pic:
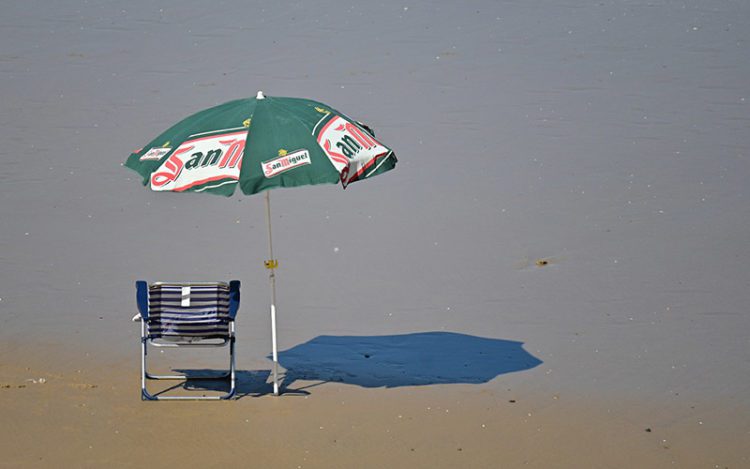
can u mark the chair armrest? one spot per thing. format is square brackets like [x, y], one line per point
[234, 298]
[141, 296]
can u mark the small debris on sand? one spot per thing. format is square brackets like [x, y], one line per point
[84, 386]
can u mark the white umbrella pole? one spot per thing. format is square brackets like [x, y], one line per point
[271, 264]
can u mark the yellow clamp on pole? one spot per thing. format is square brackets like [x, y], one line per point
[271, 264]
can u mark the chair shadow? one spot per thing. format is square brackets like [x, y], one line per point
[392, 361]
[389, 361]
[248, 383]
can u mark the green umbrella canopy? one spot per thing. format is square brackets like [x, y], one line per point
[261, 143]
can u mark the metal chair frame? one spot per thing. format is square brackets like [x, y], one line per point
[143, 289]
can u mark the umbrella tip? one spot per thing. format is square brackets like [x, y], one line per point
[260, 95]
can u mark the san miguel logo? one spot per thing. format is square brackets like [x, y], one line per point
[155, 153]
[202, 162]
[285, 162]
[351, 150]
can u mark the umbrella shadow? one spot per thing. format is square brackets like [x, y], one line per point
[392, 361]
[389, 361]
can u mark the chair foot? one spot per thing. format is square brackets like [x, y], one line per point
[146, 396]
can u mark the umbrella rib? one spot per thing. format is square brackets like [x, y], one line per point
[215, 131]
[234, 181]
[321, 120]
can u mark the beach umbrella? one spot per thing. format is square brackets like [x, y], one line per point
[259, 144]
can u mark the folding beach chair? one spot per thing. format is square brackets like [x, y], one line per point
[187, 315]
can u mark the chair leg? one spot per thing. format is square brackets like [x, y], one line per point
[146, 396]
[232, 388]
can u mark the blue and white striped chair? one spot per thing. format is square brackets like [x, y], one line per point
[187, 315]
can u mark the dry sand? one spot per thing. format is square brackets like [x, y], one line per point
[91, 418]
[568, 223]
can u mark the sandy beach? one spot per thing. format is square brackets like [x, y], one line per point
[85, 424]
[554, 275]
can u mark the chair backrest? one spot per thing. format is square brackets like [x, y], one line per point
[190, 311]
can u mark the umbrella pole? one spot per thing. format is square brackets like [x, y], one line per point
[271, 264]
